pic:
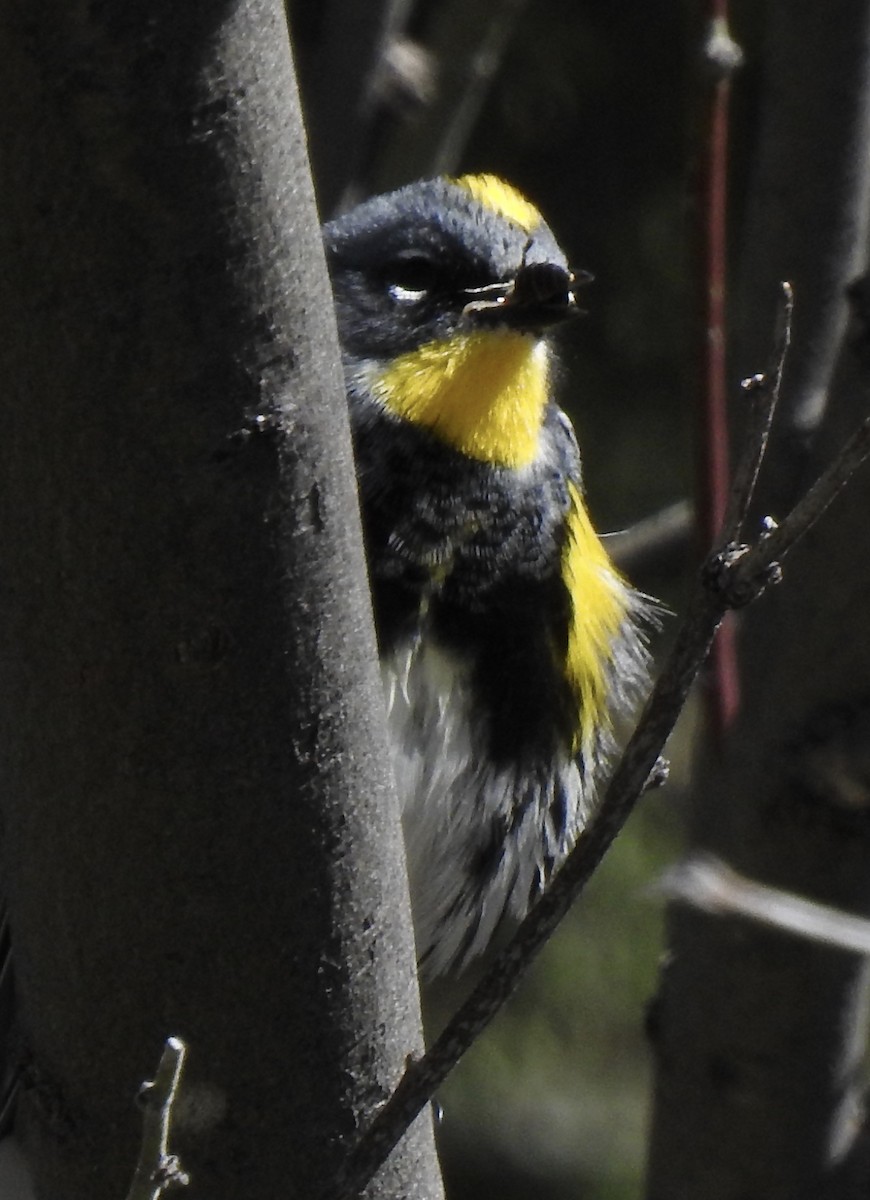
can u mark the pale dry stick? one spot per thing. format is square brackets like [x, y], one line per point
[706, 882]
[730, 578]
[157, 1169]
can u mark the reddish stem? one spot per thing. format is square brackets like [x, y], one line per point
[723, 695]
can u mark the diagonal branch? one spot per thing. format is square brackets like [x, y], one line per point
[776, 544]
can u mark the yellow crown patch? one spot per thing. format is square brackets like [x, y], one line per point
[500, 197]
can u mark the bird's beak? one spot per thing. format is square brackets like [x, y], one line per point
[539, 295]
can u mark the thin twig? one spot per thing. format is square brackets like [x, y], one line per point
[721, 57]
[763, 391]
[725, 582]
[157, 1169]
[706, 882]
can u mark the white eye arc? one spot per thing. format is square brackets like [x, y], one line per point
[406, 295]
[411, 277]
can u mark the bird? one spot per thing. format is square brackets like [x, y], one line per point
[509, 643]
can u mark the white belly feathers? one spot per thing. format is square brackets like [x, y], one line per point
[480, 839]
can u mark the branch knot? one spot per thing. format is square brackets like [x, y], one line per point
[737, 576]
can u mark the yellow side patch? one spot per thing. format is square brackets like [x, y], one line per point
[599, 604]
[483, 393]
[499, 196]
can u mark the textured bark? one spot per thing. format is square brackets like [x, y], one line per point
[200, 836]
[758, 1035]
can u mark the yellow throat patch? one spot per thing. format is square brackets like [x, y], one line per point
[599, 606]
[483, 393]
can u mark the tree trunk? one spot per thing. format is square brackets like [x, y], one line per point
[200, 836]
[758, 1034]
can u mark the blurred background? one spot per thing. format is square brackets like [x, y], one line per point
[592, 108]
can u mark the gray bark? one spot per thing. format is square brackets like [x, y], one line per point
[200, 835]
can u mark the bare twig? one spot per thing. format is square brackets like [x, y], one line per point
[731, 577]
[721, 56]
[157, 1169]
[763, 391]
[708, 883]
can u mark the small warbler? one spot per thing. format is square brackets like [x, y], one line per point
[508, 641]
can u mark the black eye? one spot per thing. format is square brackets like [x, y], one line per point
[411, 278]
